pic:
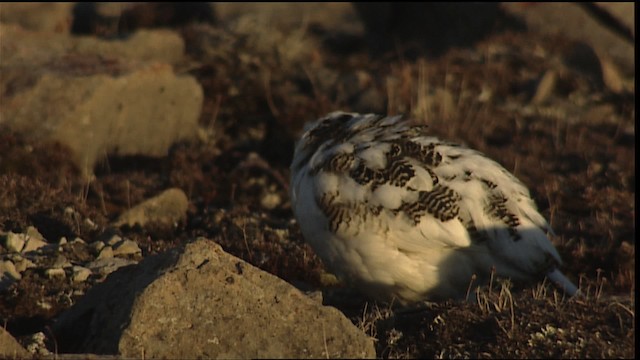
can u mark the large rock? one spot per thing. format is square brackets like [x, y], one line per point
[10, 348]
[94, 103]
[201, 303]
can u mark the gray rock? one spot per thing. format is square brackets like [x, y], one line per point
[167, 208]
[105, 266]
[201, 302]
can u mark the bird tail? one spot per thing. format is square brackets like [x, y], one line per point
[562, 282]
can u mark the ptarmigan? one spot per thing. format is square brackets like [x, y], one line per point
[401, 214]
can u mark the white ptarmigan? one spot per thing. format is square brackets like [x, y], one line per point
[401, 214]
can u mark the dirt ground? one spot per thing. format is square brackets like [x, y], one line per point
[575, 149]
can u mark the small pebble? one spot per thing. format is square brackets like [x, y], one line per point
[54, 272]
[90, 223]
[78, 241]
[270, 201]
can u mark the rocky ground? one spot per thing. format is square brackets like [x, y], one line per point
[126, 160]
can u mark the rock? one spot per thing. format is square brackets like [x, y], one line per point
[61, 262]
[105, 266]
[78, 240]
[14, 242]
[54, 273]
[33, 244]
[126, 247]
[91, 97]
[113, 239]
[49, 17]
[270, 200]
[167, 208]
[23, 264]
[106, 253]
[80, 274]
[10, 348]
[163, 46]
[26, 242]
[8, 274]
[202, 302]
[97, 246]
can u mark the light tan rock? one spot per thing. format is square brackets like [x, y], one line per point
[97, 97]
[166, 208]
[204, 303]
[10, 348]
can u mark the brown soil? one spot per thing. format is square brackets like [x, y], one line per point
[576, 152]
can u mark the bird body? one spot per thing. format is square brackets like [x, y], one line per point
[401, 214]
